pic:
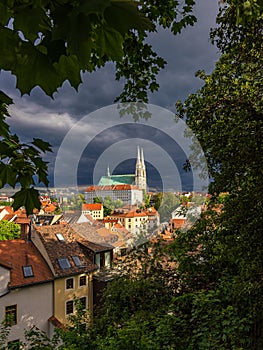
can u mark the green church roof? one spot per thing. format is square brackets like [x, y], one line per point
[128, 179]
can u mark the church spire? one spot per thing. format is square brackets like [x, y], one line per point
[138, 156]
[108, 171]
[140, 172]
[142, 159]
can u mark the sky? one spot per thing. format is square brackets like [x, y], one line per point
[82, 128]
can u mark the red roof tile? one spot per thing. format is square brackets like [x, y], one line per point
[112, 188]
[67, 248]
[92, 206]
[18, 253]
[8, 217]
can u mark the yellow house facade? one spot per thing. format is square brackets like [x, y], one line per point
[67, 290]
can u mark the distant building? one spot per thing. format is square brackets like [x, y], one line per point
[128, 194]
[138, 179]
[137, 221]
[95, 210]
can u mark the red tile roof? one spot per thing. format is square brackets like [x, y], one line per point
[92, 206]
[9, 217]
[9, 209]
[18, 253]
[111, 188]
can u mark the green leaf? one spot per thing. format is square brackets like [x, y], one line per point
[69, 68]
[42, 145]
[124, 15]
[31, 21]
[5, 99]
[9, 42]
[33, 69]
[28, 198]
[109, 42]
[7, 175]
[94, 6]
[5, 14]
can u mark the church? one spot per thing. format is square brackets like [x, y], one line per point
[137, 179]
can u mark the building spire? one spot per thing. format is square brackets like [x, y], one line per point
[138, 155]
[142, 159]
[108, 171]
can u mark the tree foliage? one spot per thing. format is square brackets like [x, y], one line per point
[9, 230]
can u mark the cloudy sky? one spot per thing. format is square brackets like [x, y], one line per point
[72, 116]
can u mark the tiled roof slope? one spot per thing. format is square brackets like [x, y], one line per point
[91, 206]
[57, 249]
[90, 233]
[18, 253]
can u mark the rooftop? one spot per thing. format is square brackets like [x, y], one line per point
[26, 264]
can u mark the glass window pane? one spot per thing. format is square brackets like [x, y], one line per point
[69, 307]
[69, 283]
[83, 302]
[28, 271]
[97, 259]
[107, 259]
[77, 261]
[64, 263]
[82, 280]
[60, 237]
[11, 315]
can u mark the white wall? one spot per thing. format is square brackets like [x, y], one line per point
[4, 280]
[34, 307]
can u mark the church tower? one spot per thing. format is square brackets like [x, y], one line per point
[140, 171]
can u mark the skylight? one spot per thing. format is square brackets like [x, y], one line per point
[60, 237]
[64, 263]
[28, 271]
[77, 261]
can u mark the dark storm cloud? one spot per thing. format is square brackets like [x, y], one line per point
[50, 119]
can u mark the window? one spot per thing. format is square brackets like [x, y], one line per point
[60, 237]
[97, 260]
[77, 261]
[64, 263]
[11, 314]
[69, 307]
[28, 271]
[107, 259]
[83, 302]
[82, 281]
[69, 283]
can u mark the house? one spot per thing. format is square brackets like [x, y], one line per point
[137, 221]
[71, 268]
[26, 288]
[185, 215]
[95, 210]
[128, 194]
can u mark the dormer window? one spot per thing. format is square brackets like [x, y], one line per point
[64, 263]
[60, 237]
[28, 271]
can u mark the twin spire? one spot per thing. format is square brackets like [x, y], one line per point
[140, 158]
[140, 170]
